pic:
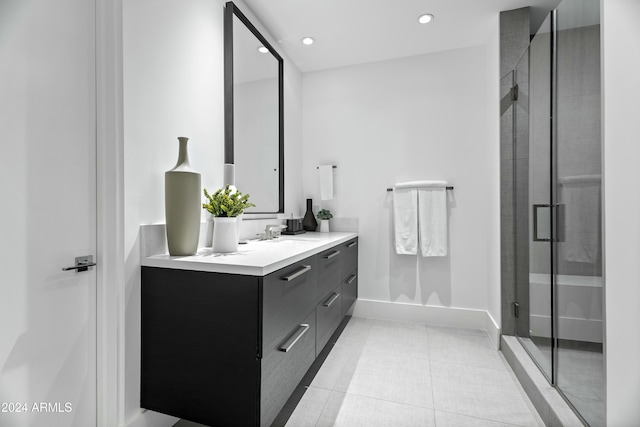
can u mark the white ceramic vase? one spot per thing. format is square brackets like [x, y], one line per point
[183, 204]
[225, 234]
[324, 225]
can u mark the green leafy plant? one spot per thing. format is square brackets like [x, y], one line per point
[226, 202]
[325, 214]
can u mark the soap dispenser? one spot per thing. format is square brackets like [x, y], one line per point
[309, 222]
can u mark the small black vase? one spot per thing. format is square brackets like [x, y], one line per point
[309, 222]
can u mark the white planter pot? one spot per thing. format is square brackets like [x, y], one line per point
[324, 225]
[225, 235]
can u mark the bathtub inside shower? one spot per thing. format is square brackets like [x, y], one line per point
[578, 301]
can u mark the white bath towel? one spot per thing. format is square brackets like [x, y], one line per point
[405, 220]
[581, 195]
[326, 182]
[432, 218]
[420, 217]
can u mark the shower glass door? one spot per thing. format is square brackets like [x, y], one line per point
[578, 256]
[557, 205]
[533, 201]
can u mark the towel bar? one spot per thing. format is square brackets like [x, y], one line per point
[448, 188]
[334, 166]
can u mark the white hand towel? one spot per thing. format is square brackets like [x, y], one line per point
[432, 218]
[581, 194]
[405, 220]
[326, 182]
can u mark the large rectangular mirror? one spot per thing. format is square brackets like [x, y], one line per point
[254, 131]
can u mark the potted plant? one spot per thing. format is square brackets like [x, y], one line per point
[324, 215]
[226, 205]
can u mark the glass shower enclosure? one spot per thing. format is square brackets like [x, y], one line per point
[555, 92]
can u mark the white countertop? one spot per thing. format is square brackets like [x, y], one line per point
[257, 257]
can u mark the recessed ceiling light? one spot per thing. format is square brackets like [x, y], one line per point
[308, 40]
[425, 18]
[263, 49]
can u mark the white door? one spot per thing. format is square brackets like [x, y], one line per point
[47, 213]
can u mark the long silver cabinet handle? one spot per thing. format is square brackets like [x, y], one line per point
[331, 300]
[352, 244]
[351, 279]
[297, 273]
[332, 254]
[288, 345]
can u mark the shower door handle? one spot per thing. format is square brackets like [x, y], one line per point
[536, 207]
[559, 211]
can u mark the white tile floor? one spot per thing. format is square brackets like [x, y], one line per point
[383, 373]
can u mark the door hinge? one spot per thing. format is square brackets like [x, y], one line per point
[516, 310]
[514, 93]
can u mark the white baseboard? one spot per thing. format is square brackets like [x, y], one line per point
[151, 419]
[434, 315]
[493, 330]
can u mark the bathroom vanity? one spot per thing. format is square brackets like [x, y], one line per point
[226, 338]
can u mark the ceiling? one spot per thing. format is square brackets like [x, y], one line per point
[349, 32]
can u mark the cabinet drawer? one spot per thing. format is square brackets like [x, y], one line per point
[288, 295]
[329, 269]
[283, 370]
[349, 291]
[350, 260]
[328, 317]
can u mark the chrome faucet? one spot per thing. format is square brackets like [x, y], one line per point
[273, 230]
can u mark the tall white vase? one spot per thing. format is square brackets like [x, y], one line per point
[182, 204]
[225, 234]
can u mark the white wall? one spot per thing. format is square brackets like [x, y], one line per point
[433, 116]
[174, 86]
[621, 130]
[494, 301]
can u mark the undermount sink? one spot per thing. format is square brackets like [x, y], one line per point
[285, 240]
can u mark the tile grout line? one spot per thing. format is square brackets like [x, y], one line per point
[377, 398]
[323, 408]
[368, 330]
[481, 418]
[469, 365]
[433, 394]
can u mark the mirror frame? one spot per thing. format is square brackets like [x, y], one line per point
[230, 10]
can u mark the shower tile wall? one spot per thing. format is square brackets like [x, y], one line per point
[514, 40]
[538, 187]
[521, 183]
[579, 130]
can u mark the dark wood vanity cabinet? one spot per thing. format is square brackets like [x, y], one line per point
[200, 345]
[229, 349]
[335, 267]
[349, 284]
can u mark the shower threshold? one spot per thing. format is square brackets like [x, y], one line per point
[551, 407]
